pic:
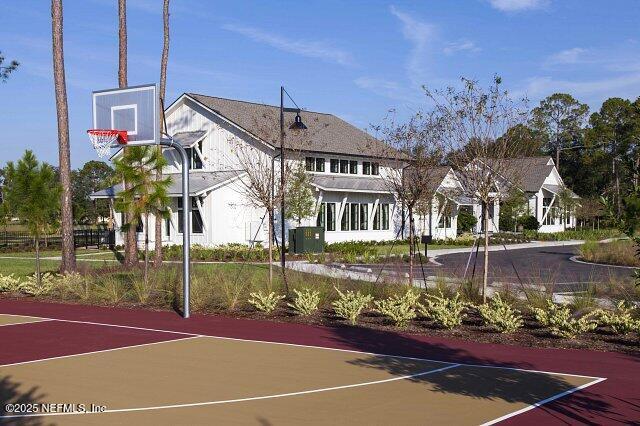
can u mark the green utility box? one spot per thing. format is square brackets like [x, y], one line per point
[306, 239]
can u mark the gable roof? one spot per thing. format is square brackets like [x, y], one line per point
[326, 132]
[526, 173]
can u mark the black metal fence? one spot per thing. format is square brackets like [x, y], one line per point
[11, 240]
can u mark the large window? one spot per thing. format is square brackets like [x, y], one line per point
[445, 221]
[195, 162]
[547, 211]
[335, 165]
[375, 168]
[331, 216]
[353, 167]
[366, 167]
[322, 215]
[364, 217]
[355, 216]
[196, 218]
[376, 219]
[385, 216]
[344, 166]
[167, 227]
[314, 164]
[344, 220]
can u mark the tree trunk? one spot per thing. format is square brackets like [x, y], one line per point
[270, 249]
[558, 156]
[485, 274]
[146, 250]
[64, 154]
[130, 242]
[411, 245]
[163, 87]
[38, 277]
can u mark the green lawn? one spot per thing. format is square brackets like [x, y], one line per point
[24, 263]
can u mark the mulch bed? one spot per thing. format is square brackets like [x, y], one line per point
[472, 329]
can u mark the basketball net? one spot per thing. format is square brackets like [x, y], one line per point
[103, 140]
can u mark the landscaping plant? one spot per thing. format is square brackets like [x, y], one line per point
[8, 283]
[620, 320]
[447, 312]
[265, 302]
[400, 309]
[499, 314]
[350, 304]
[560, 321]
[306, 301]
[38, 287]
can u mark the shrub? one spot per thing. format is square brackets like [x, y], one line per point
[620, 320]
[350, 304]
[529, 223]
[447, 312]
[499, 314]
[560, 321]
[466, 221]
[234, 289]
[112, 290]
[620, 252]
[31, 287]
[401, 309]
[74, 283]
[306, 301]
[9, 283]
[265, 302]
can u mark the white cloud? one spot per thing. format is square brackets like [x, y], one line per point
[626, 85]
[518, 5]
[420, 34]
[308, 48]
[461, 46]
[568, 56]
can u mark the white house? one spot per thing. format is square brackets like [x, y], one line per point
[345, 163]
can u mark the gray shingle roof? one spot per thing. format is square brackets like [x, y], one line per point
[349, 183]
[199, 182]
[187, 139]
[326, 133]
[527, 173]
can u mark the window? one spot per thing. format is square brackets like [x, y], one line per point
[355, 216]
[322, 215]
[344, 166]
[445, 221]
[140, 225]
[376, 219]
[196, 218]
[353, 167]
[366, 167]
[167, 227]
[331, 216]
[547, 212]
[334, 165]
[310, 164]
[195, 162]
[375, 168]
[364, 217]
[344, 220]
[319, 164]
[385, 216]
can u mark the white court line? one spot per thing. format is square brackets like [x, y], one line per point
[27, 322]
[544, 401]
[254, 398]
[313, 347]
[97, 352]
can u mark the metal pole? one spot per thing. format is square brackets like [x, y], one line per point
[186, 214]
[282, 165]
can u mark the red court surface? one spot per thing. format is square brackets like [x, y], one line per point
[68, 330]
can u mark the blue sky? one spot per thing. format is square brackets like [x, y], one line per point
[355, 59]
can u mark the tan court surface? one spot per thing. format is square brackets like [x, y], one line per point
[321, 386]
[15, 319]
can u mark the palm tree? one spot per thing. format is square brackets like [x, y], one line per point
[62, 110]
[146, 195]
[163, 87]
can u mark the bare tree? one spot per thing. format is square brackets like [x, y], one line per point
[163, 88]
[415, 152]
[130, 241]
[261, 185]
[64, 153]
[473, 122]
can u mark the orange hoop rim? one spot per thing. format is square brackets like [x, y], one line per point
[121, 135]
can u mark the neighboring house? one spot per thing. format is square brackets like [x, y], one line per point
[548, 198]
[346, 165]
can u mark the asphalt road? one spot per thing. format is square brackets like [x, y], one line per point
[550, 266]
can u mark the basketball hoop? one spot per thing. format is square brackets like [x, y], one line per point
[102, 140]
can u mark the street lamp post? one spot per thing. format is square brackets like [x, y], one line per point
[296, 125]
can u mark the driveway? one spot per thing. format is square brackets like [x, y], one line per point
[551, 266]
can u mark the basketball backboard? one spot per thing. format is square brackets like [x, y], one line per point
[132, 109]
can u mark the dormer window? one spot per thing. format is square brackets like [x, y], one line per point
[195, 162]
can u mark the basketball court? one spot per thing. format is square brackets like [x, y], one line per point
[139, 375]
